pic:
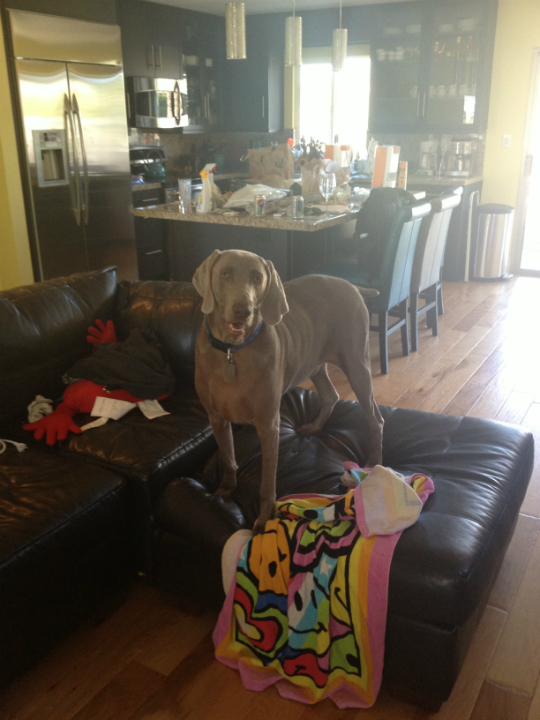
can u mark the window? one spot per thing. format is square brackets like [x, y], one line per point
[335, 104]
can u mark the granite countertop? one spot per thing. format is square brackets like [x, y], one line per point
[306, 224]
[423, 181]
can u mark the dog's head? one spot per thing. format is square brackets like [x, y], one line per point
[241, 286]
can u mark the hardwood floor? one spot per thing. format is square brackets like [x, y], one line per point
[152, 660]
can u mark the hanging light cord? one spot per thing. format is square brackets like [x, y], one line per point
[340, 14]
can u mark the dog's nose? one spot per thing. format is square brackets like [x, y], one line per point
[241, 312]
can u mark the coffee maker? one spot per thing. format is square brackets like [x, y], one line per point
[428, 158]
[459, 159]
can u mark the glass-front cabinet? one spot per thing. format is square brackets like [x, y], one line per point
[201, 96]
[431, 69]
[453, 81]
[396, 69]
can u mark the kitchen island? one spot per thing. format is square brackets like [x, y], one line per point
[295, 247]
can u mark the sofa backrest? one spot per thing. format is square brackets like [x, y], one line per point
[172, 310]
[43, 329]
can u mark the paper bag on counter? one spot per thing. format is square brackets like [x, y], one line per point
[271, 165]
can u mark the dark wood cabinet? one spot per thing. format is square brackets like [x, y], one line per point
[160, 41]
[151, 237]
[152, 256]
[151, 39]
[254, 88]
[431, 67]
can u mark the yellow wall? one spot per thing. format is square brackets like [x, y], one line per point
[15, 262]
[518, 33]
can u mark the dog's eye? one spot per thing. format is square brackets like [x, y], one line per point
[257, 278]
[225, 274]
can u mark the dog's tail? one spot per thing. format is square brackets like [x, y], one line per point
[367, 292]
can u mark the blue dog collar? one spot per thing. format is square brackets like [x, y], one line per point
[230, 348]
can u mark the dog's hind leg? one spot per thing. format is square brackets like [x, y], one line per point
[224, 438]
[358, 373]
[328, 397]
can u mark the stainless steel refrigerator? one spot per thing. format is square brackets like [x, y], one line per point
[72, 103]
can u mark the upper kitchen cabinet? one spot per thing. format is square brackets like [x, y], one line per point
[254, 88]
[151, 39]
[397, 59]
[431, 67]
[203, 42]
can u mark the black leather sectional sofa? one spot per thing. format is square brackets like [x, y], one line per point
[78, 519]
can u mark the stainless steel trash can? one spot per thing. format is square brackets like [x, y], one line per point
[493, 241]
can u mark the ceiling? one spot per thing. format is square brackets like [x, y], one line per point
[217, 7]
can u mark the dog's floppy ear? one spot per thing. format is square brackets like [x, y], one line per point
[203, 282]
[274, 304]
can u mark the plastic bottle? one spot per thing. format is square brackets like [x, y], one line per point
[204, 202]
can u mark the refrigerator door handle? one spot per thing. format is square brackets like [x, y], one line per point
[77, 113]
[177, 100]
[69, 128]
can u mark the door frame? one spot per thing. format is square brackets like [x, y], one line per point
[523, 192]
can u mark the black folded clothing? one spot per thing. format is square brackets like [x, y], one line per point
[136, 365]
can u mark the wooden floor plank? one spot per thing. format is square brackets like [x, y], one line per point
[465, 399]
[463, 698]
[531, 504]
[172, 643]
[516, 662]
[448, 388]
[493, 398]
[515, 407]
[515, 561]
[124, 694]
[79, 668]
[500, 703]
[170, 703]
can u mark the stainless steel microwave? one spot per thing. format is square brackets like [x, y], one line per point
[157, 102]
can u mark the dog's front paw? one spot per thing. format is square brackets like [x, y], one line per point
[259, 526]
[264, 515]
[310, 429]
[372, 461]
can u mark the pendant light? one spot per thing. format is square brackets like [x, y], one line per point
[235, 30]
[339, 46]
[293, 39]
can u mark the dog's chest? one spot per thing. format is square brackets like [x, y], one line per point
[237, 396]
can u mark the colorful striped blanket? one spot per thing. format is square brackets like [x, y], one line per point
[307, 608]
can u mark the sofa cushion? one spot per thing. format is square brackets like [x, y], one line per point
[150, 452]
[43, 330]
[65, 543]
[172, 310]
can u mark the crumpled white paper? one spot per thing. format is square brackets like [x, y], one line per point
[38, 408]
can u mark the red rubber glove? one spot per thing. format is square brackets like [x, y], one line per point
[102, 333]
[56, 425]
[81, 396]
[78, 398]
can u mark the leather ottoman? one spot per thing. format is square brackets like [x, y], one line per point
[443, 567]
[65, 550]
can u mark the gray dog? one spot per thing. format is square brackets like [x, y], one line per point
[262, 338]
